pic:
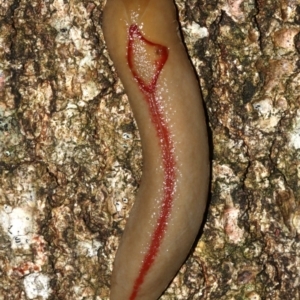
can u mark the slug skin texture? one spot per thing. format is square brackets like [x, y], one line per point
[144, 43]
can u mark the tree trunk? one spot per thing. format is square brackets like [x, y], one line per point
[70, 153]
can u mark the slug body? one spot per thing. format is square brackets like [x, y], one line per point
[143, 41]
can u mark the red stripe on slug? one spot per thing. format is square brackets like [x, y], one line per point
[136, 45]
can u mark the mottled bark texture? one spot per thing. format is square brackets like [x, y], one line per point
[70, 154]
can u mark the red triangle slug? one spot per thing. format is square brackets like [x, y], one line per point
[143, 40]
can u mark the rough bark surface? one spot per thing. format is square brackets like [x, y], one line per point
[70, 153]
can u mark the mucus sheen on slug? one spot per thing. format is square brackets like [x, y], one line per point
[148, 89]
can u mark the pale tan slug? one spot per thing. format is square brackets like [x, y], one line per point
[144, 43]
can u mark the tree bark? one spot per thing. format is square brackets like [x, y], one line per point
[70, 153]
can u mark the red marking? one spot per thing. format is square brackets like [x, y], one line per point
[148, 88]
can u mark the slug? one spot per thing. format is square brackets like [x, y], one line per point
[144, 43]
